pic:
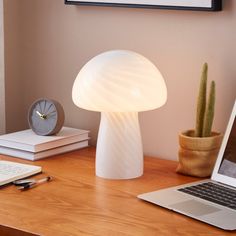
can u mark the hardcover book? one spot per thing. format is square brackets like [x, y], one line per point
[27, 140]
[33, 156]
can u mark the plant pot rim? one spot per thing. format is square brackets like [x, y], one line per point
[200, 143]
[189, 134]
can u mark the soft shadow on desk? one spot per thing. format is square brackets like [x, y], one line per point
[7, 231]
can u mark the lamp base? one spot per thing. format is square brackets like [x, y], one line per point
[119, 147]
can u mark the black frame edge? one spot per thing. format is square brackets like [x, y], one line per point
[216, 5]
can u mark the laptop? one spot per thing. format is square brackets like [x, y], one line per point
[212, 201]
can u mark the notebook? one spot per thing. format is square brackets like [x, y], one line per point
[11, 171]
[212, 201]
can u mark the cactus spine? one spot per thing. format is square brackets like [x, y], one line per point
[205, 115]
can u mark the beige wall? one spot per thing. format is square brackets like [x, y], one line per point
[14, 81]
[48, 42]
[2, 79]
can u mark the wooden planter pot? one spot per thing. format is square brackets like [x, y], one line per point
[197, 156]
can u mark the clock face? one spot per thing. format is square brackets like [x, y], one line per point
[46, 117]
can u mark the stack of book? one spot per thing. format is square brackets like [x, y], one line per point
[28, 145]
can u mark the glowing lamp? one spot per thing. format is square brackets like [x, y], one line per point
[119, 84]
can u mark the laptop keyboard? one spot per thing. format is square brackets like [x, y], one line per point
[214, 193]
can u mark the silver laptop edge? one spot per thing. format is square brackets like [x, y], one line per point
[195, 207]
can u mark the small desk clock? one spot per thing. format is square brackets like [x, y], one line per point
[46, 116]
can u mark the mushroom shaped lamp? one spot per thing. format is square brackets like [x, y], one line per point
[119, 84]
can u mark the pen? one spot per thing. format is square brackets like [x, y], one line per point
[35, 183]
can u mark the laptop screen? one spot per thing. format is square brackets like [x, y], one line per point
[225, 167]
[228, 163]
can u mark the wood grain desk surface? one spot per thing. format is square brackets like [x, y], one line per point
[77, 202]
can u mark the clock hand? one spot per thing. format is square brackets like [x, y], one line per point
[42, 116]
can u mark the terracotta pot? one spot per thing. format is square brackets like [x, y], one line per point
[197, 156]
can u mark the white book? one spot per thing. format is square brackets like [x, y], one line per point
[27, 140]
[32, 156]
[11, 171]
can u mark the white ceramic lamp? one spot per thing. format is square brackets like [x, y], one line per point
[119, 84]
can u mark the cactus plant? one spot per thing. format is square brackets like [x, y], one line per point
[199, 148]
[205, 115]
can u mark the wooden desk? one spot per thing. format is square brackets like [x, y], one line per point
[77, 202]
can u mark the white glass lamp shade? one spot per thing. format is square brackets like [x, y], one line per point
[119, 84]
[119, 81]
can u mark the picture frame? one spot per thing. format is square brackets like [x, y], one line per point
[200, 5]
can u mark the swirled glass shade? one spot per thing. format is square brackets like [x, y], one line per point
[119, 81]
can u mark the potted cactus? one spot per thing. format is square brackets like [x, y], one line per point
[199, 147]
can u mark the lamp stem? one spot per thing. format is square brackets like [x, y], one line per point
[119, 147]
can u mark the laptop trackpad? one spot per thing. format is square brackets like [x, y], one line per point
[194, 207]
